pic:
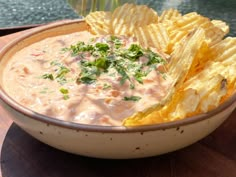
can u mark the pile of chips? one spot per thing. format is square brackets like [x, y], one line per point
[202, 61]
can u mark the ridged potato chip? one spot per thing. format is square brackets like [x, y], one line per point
[197, 98]
[153, 35]
[207, 83]
[99, 22]
[202, 63]
[168, 17]
[187, 101]
[224, 55]
[129, 16]
[200, 60]
[212, 99]
[169, 14]
[188, 22]
[178, 67]
[184, 54]
[221, 25]
[224, 51]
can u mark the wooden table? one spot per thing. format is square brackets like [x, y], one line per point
[23, 156]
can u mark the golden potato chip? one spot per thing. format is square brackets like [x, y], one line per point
[184, 54]
[212, 99]
[204, 98]
[169, 15]
[211, 88]
[189, 22]
[182, 103]
[224, 51]
[153, 35]
[99, 22]
[175, 39]
[224, 55]
[128, 17]
[189, 101]
[213, 33]
[200, 60]
[186, 102]
[202, 64]
[178, 67]
[221, 25]
[206, 85]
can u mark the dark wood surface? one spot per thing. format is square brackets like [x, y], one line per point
[23, 156]
[10, 30]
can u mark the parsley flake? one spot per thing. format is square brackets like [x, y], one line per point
[48, 76]
[132, 98]
[65, 93]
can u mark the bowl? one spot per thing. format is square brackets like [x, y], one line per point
[112, 142]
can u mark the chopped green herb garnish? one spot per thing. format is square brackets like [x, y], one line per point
[86, 78]
[126, 62]
[116, 41]
[132, 98]
[80, 47]
[154, 58]
[62, 71]
[48, 76]
[106, 86]
[102, 63]
[139, 76]
[102, 47]
[65, 93]
[122, 71]
[89, 72]
[59, 74]
[134, 52]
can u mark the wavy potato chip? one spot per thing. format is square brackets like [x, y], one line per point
[224, 51]
[188, 22]
[200, 60]
[169, 15]
[202, 64]
[99, 22]
[178, 69]
[221, 25]
[153, 35]
[206, 95]
[187, 101]
[128, 17]
[214, 95]
[224, 56]
[184, 54]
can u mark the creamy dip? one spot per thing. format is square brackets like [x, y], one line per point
[86, 79]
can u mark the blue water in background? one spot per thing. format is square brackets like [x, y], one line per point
[25, 12]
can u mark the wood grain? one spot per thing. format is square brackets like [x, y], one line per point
[24, 156]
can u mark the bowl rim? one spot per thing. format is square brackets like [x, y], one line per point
[97, 128]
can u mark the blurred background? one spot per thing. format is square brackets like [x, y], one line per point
[15, 13]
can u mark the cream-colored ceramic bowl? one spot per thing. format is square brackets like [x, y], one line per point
[101, 141]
